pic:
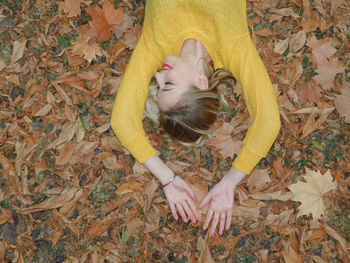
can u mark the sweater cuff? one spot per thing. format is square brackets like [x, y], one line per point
[246, 160]
[141, 149]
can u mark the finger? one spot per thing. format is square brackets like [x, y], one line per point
[214, 223]
[182, 212]
[228, 219]
[222, 223]
[205, 201]
[189, 212]
[189, 192]
[173, 211]
[207, 219]
[193, 207]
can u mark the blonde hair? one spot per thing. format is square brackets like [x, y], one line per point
[189, 122]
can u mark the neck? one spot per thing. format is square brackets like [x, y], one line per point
[194, 52]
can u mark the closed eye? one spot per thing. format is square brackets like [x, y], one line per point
[167, 83]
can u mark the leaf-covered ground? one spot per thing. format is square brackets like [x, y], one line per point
[70, 193]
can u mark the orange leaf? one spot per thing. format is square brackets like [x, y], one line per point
[72, 7]
[317, 234]
[128, 187]
[103, 19]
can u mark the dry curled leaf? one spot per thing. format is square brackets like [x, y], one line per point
[310, 193]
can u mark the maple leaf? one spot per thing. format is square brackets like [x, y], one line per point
[81, 47]
[103, 19]
[223, 142]
[342, 103]
[131, 37]
[71, 7]
[310, 193]
[309, 92]
[327, 70]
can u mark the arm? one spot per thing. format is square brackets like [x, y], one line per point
[126, 122]
[247, 67]
[127, 113]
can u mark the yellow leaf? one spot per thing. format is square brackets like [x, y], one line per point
[310, 193]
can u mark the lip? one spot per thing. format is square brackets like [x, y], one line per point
[166, 67]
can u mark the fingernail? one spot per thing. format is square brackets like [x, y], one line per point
[195, 198]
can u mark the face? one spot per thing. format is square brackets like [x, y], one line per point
[176, 77]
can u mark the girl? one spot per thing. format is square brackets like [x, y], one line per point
[178, 41]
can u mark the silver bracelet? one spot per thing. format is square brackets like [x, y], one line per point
[171, 179]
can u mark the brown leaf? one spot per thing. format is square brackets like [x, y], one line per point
[327, 70]
[309, 20]
[203, 247]
[6, 216]
[128, 187]
[132, 36]
[335, 4]
[2, 65]
[321, 49]
[258, 179]
[99, 227]
[297, 41]
[82, 48]
[290, 255]
[330, 231]
[281, 46]
[103, 19]
[44, 110]
[71, 7]
[18, 50]
[51, 203]
[223, 142]
[65, 153]
[308, 92]
[342, 103]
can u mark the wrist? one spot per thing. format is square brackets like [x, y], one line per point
[233, 177]
[159, 169]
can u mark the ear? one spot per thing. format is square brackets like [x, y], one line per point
[202, 82]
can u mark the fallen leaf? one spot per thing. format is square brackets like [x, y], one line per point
[321, 49]
[18, 50]
[132, 36]
[327, 70]
[51, 203]
[2, 65]
[128, 187]
[335, 4]
[202, 246]
[71, 7]
[44, 110]
[103, 19]
[308, 92]
[290, 255]
[330, 231]
[309, 20]
[258, 179]
[81, 47]
[342, 103]
[310, 193]
[281, 46]
[223, 142]
[297, 41]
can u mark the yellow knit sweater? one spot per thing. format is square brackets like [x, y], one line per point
[221, 26]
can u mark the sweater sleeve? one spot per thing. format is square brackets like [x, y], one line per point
[128, 109]
[247, 66]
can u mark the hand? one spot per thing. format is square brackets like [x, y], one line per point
[180, 196]
[221, 201]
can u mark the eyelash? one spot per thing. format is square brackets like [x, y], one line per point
[168, 83]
